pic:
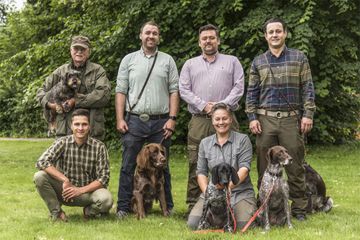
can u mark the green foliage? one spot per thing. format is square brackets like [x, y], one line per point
[35, 41]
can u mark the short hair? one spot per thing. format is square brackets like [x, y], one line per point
[152, 23]
[220, 105]
[80, 112]
[273, 20]
[208, 27]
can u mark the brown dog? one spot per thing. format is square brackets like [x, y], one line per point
[149, 180]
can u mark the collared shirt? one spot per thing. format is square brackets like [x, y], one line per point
[163, 81]
[237, 152]
[291, 83]
[81, 164]
[219, 81]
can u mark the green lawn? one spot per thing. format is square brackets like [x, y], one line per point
[23, 215]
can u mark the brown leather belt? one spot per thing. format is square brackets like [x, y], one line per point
[277, 114]
[203, 115]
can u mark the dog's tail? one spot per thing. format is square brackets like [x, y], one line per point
[327, 205]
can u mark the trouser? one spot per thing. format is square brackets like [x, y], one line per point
[199, 128]
[50, 190]
[138, 133]
[284, 132]
[243, 211]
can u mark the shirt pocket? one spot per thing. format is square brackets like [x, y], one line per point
[264, 75]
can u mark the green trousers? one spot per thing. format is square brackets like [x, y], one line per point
[199, 128]
[50, 190]
[284, 132]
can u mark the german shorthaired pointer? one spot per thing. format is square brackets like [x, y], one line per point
[275, 190]
[216, 213]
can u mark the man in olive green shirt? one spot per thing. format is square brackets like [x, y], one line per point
[93, 93]
[151, 118]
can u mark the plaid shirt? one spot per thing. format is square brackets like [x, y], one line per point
[81, 164]
[289, 83]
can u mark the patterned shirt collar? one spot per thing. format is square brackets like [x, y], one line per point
[143, 53]
[214, 140]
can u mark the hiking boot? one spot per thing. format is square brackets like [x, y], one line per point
[121, 214]
[59, 217]
[300, 217]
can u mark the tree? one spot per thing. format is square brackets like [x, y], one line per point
[35, 41]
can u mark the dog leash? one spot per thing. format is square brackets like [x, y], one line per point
[230, 208]
[261, 208]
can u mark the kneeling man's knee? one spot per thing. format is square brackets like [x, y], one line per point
[40, 178]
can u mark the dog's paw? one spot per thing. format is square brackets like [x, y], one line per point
[267, 227]
[291, 226]
[59, 109]
[228, 228]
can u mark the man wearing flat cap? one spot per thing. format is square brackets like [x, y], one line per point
[92, 94]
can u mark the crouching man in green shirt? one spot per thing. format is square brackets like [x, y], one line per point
[75, 171]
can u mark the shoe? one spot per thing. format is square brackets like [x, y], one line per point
[300, 217]
[59, 217]
[170, 212]
[121, 214]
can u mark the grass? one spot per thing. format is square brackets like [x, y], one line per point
[23, 215]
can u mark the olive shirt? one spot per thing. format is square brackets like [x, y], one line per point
[237, 152]
[80, 164]
[164, 79]
[94, 95]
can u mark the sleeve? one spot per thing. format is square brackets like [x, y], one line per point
[42, 94]
[237, 90]
[51, 155]
[307, 88]
[244, 157]
[173, 77]
[253, 92]
[103, 166]
[99, 97]
[185, 88]
[122, 79]
[202, 163]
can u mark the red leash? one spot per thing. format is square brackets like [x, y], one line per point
[252, 219]
[230, 208]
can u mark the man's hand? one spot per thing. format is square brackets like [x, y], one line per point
[70, 191]
[169, 128]
[122, 126]
[208, 107]
[255, 127]
[306, 125]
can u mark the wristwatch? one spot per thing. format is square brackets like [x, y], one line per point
[172, 118]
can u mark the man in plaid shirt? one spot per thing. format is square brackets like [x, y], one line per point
[280, 107]
[74, 171]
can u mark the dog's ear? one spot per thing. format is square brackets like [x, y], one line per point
[234, 176]
[269, 155]
[143, 157]
[215, 175]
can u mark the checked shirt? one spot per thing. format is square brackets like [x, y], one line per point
[274, 83]
[81, 164]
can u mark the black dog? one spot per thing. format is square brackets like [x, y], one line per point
[275, 190]
[316, 192]
[59, 94]
[216, 214]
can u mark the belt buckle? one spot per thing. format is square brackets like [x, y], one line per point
[278, 114]
[144, 117]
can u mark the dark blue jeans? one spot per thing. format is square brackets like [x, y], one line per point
[139, 133]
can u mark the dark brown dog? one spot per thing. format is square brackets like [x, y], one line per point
[59, 94]
[275, 188]
[149, 180]
[316, 192]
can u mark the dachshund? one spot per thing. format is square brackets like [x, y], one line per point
[316, 192]
[64, 90]
[274, 190]
[216, 213]
[149, 180]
